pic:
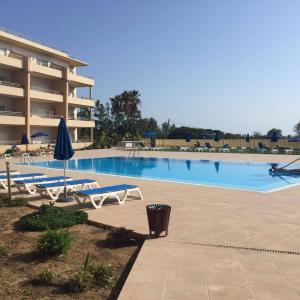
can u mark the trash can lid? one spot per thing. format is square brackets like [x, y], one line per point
[157, 206]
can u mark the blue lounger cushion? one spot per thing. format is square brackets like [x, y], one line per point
[106, 189]
[22, 175]
[61, 183]
[28, 181]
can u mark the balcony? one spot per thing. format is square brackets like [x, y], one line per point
[44, 120]
[12, 118]
[11, 89]
[46, 69]
[81, 101]
[79, 80]
[46, 94]
[80, 122]
[12, 60]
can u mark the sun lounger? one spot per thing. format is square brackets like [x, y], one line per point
[12, 172]
[29, 185]
[53, 190]
[14, 177]
[101, 194]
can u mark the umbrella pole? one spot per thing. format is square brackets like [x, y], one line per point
[65, 187]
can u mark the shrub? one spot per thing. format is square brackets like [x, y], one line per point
[120, 237]
[80, 281]
[103, 274]
[44, 277]
[54, 242]
[4, 252]
[51, 217]
[15, 202]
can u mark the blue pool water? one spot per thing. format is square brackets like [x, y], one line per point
[241, 175]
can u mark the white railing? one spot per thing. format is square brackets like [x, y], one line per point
[12, 84]
[11, 113]
[45, 90]
[46, 116]
[79, 118]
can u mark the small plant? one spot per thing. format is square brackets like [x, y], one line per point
[18, 202]
[54, 242]
[44, 277]
[103, 274]
[120, 237]
[4, 252]
[51, 217]
[15, 202]
[80, 281]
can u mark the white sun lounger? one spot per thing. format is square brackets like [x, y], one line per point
[29, 185]
[53, 190]
[14, 177]
[101, 194]
[12, 172]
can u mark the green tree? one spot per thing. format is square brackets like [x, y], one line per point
[297, 128]
[125, 112]
[84, 113]
[270, 132]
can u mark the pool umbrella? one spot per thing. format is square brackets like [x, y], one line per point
[149, 134]
[248, 138]
[274, 137]
[39, 134]
[188, 137]
[188, 164]
[217, 166]
[217, 137]
[24, 140]
[63, 148]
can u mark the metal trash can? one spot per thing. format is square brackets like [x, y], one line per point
[158, 218]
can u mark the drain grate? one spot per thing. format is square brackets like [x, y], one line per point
[257, 249]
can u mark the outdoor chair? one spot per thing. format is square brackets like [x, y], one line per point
[14, 177]
[101, 194]
[53, 190]
[29, 185]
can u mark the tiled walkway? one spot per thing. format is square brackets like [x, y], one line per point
[179, 266]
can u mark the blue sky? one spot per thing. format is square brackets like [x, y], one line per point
[229, 65]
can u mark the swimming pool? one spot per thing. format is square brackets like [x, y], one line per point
[229, 174]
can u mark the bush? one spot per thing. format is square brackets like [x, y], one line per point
[4, 252]
[80, 281]
[44, 277]
[51, 217]
[103, 274]
[120, 237]
[15, 202]
[54, 242]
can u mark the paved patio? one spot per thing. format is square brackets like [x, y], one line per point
[182, 266]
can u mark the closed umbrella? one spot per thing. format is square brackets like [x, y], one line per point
[63, 148]
[248, 138]
[217, 137]
[188, 137]
[274, 137]
[24, 140]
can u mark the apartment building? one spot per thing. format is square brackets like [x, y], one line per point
[38, 85]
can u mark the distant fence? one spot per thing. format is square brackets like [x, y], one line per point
[232, 142]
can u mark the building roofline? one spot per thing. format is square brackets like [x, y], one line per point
[25, 42]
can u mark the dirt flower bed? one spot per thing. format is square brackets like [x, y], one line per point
[19, 260]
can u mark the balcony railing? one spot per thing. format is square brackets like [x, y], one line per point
[11, 113]
[46, 63]
[44, 90]
[46, 116]
[71, 117]
[12, 84]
